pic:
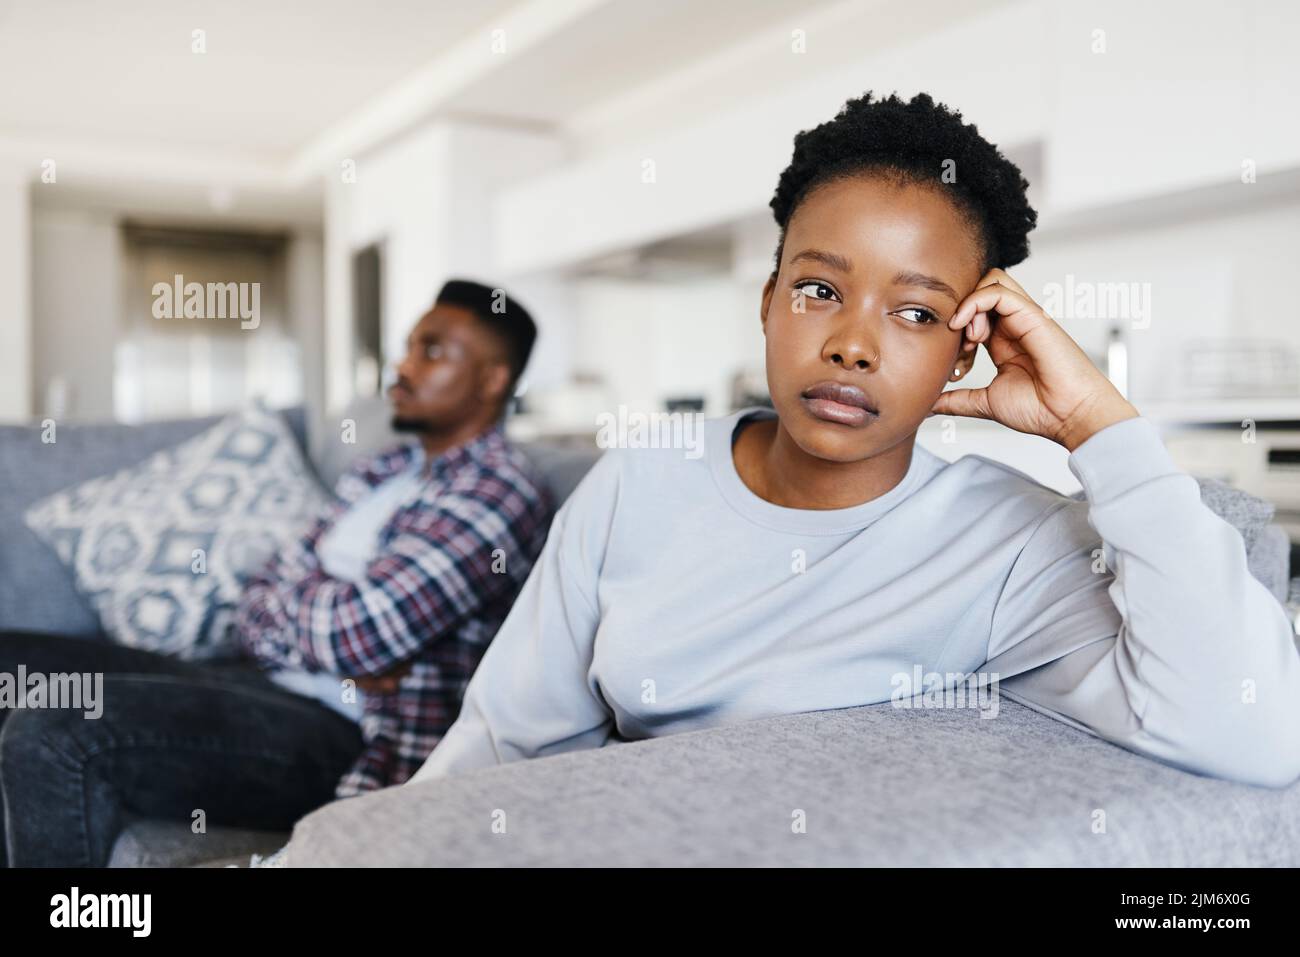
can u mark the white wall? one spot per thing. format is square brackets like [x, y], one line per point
[724, 167]
[426, 198]
[15, 297]
[1221, 275]
[76, 301]
[78, 270]
[1182, 93]
[651, 341]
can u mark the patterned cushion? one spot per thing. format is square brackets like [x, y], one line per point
[160, 550]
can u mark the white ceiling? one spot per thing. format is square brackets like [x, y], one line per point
[620, 46]
[282, 79]
[114, 93]
[274, 74]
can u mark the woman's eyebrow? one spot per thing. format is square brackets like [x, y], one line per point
[904, 278]
[927, 282]
[833, 260]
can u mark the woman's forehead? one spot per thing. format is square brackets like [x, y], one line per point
[871, 220]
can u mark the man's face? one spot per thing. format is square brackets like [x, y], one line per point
[454, 371]
[855, 258]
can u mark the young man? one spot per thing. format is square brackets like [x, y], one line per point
[359, 642]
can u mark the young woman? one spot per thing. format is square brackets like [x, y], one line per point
[814, 554]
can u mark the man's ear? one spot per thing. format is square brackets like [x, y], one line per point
[768, 288]
[496, 383]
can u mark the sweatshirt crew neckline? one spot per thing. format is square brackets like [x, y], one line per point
[719, 438]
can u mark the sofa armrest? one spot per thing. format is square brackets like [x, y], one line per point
[870, 786]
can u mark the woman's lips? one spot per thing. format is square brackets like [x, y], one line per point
[840, 402]
[831, 411]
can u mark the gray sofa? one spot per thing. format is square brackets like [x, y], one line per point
[37, 594]
[875, 785]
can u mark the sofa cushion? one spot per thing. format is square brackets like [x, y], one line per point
[1270, 560]
[161, 549]
[560, 466]
[1248, 513]
[871, 786]
[36, 591]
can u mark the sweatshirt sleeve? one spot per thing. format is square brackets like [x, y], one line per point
[531, 695]
[1133, 615]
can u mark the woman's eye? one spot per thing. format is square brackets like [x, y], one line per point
[815, 290]
[926, 315]
[433, 352]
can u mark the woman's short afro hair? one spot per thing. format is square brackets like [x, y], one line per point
[914, 142]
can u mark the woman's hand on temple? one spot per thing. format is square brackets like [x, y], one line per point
[1045, 385]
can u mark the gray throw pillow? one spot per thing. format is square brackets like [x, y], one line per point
[161, 550]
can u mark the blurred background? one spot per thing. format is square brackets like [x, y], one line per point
[609, 162]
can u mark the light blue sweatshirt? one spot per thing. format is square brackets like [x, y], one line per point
[670, 597]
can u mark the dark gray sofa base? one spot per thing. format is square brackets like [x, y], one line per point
[152, 843]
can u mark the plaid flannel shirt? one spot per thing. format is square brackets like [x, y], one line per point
[448, 567]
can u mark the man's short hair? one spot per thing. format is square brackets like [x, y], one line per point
[505, 317]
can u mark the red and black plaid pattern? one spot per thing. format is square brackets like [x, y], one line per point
[448, 568]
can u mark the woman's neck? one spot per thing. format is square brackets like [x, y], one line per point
[777, 470]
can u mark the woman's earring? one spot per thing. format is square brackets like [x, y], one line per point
[956, 373]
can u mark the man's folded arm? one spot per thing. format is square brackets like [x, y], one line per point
[421, 587]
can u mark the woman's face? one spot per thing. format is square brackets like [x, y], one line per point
[857, 314]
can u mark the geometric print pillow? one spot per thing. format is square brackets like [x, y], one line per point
[161, 549]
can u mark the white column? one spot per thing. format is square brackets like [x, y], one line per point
[337, 332]
[15, 296]
[305, 279]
